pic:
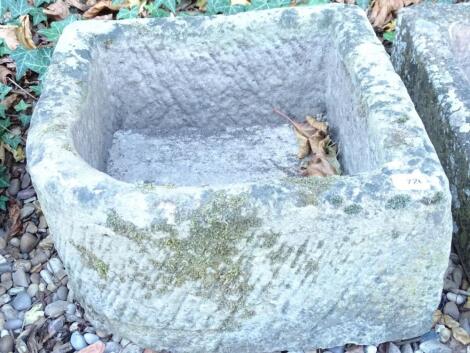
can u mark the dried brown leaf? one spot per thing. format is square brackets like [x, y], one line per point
[58, 10]
[383, 11]
[449, 321]
[319, 125]
[14, 220]
[77, 4]
[9, 100]
[8, 34]
[461, 335]
[101, 8]
[4, 74]
[319, 166]
[23, 33]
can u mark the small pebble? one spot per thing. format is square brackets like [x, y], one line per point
[91, 338]
[14, 187]
[112, 347]
[26, 193]
[77, 341]
[4, 298]
[15, 242]
[9, 312]
[406, 348]
[392, 348]
[27, 210]
[33, 290]
[13, 324]
[433, 346]
[456, 298]
[25, 180]
[97, 347]
[28, 242]
[5, 267]
[22, 301]
[62, 293]
[6, 344]
[452, 310]
[31, 228]
[56, 309]
[56, 326]
[20, 278]
[47, 277]
[457, 275]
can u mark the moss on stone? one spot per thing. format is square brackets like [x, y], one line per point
[93, 261]
[310, 188]
[398, 202]
[435, 199]
[336, 200]
[353, 209]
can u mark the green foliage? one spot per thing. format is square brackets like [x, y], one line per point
[2, 110]
[4, 182]
[17, 7]
[56, 28]
[36, 60]
[4, 50]
[38, 15]
[155, 11]
[11, 139]
[225, 7]
[3, 202]
[390, 36]
[25, 119]
[168, 4]
[21, 106]
[126, 13]
[4, 90]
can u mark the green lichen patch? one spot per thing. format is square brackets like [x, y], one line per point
[353, 209]
[127, 229]
[93, 261]
[398, 202]
[310, 188]
[435, 199]
[209, 255]
[336, 200]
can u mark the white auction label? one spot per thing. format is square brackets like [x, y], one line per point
[414, 181]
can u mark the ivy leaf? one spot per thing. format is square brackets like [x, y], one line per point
[2, 113]
[18, 7]
[223, 7]
[38, 15]
[125, 13]
[25, 119]
[11, 140]
[4, 90]
[155, 11]
[267, 4]
[169, 4]
[37, 89]
[4, 125]
[4, 50]
[390, 36]
[3, 201]
[4, 183]
[36, 60]
[21, 106]
[55, 30]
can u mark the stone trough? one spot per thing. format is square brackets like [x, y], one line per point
[432, 55]
[171, 191]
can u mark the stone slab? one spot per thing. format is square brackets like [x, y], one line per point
[252, 264]
[432, 55]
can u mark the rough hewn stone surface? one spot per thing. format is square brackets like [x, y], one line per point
[263, 264]
[432, 55]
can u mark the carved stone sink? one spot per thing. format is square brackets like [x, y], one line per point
[170, 186]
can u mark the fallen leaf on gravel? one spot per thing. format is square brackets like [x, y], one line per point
[9, 100]
[100, 8]
[58, 10]
[383, 11]
[77, 4]
[8, 34]
[33, 314]
[97, 347]
[14, 219]
[461, 335]
[18, 153]
[4, 74]
[23, 33]
[449, 321]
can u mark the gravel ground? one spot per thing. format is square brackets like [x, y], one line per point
[38, 313]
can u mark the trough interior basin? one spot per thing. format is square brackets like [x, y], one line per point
[202, 115]
[460, 44]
